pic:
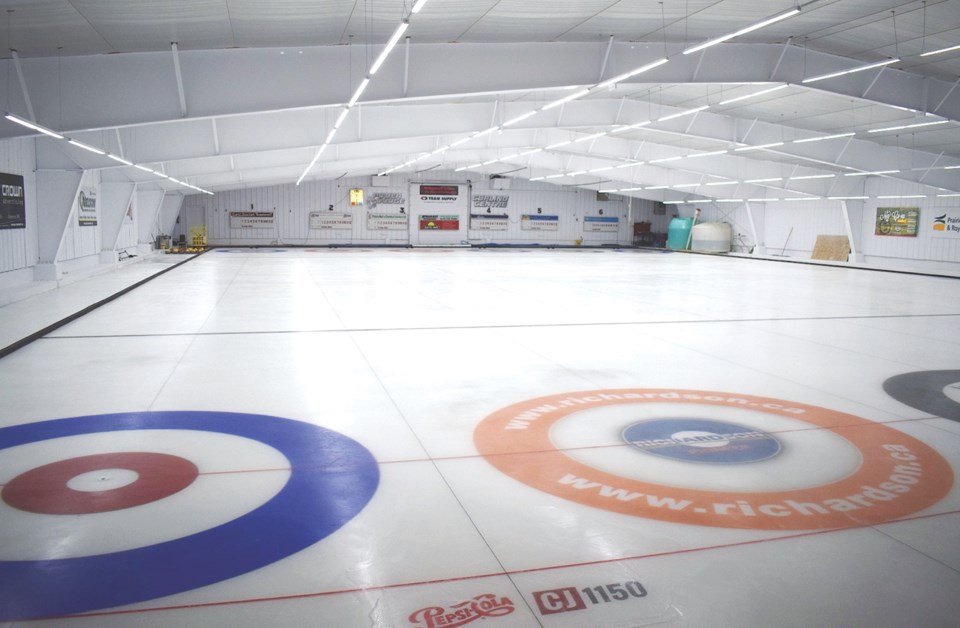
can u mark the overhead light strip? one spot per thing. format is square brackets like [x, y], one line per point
[907, 126]
[861, 68]
[93, 149]
[767, 22]
[936, 52]
[760, 93]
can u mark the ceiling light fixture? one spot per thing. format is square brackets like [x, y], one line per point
[356, 94]
[763, 180]
[742, 31]
[867, 174]
[812, 176]
[520, 118]
[936, 52]
[710, 154]
[683, 113]
[622, 77]
[32, 126]
[760, 93]
[417, 6]
[907, 126]
[757, 147]
[861, 68]
[904, 196]
[565, 99]
[824, 137]
[397, 34]
[87, 147]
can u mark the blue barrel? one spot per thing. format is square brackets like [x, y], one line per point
[678, 233]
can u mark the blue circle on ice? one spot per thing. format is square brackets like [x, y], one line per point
[332, 478]
[701, 440]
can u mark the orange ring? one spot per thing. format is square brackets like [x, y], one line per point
[899, 474]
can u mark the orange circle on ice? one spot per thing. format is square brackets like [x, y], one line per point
[898, 476]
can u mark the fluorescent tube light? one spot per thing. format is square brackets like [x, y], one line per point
[554, 176]
[520, 118]
[558, 145]
[485, 132]
[631, 189]
[711, 153]
[32, 126]
[576, 173]
[760, 93]
[825, 137]
[936, 52]
[758, 147]
[907, 126]
[605, 168]
[330, 135]
[947, 195]
[343, 116]
[851, 70]
[762, 200]
[847, 198]
[356, 94]
[120, 159]
[728, 200]
[92, 149]
[742, 31]
[590, 137]
[763, 180]
[663, 159]
[565, 99]
[804, 198]
[531, 152]
[626, 75]
[654, 187]
[683, 113]
[904, 196]
[723, 182]
[689, 185]
[459, 142]
[631, 126]
[397, 34]
[867, 174]
[417, 6]
[461, 168]
[537, 179]
[812, 176]
[632, 163]
[144, 168]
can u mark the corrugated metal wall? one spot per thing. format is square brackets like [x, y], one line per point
[292, 206]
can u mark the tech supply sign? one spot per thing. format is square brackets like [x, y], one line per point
[714, 459]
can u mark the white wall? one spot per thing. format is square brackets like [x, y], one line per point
[292, 206]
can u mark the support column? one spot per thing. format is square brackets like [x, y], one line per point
[115, 198]
[169, 210]
[148, 213]
[855, 257]
[56, 196]
[759, 247]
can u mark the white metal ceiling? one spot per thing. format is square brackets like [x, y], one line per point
[266, 134]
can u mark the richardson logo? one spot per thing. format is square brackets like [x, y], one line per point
[572, 599]
[461, 614]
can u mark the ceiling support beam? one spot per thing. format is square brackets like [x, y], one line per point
[23, 85]
[176, 69]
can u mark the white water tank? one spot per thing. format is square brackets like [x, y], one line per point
[711, 237]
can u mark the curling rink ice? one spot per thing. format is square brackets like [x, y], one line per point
[504, 438]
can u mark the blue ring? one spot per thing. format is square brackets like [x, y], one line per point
[332, 478]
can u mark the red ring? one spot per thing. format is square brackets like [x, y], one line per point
[44, 490]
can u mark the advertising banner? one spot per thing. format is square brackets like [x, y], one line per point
[13, 210]
[539, 222]
[331, 220]
[897, 221]
[251, 220]
[946, 223]
[87, 207]
[384, 221]
[491, 201]
[439, 223]
[444, 194]
[601, 223]
[489, 222]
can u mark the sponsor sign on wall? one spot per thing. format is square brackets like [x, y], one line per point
[946, 223]
[331, 220]
[87, 207]
[356, 196]
[439, 223]
[491, 201]
[601, 223]
[385, 221]
[539, 222]
[251, 220]
[897, 221]
[489, 222]
[439, 193]
[13, 211]
[385, 198]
